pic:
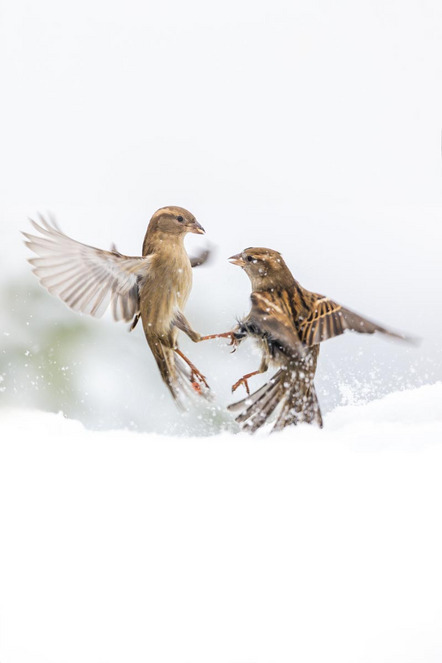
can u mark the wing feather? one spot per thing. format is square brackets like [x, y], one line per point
[271, 314]
[87, 279]
[328, 319]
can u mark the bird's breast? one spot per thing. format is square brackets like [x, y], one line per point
[165, 291]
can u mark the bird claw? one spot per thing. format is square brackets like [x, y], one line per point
[239, 383]
[196, 386]
[196, 377]
[234, 341]
[231, 335]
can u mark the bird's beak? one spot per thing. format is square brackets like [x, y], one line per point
[236, 260]
[197, 228]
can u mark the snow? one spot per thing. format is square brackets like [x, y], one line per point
[304, 546]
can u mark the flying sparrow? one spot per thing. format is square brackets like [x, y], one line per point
[154, 286]
[289, 322]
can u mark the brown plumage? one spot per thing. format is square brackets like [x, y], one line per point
[288, 322]
[155, 286]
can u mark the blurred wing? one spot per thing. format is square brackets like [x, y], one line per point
[201, 258]
[85, 278]
[271, 315]
[328, 319]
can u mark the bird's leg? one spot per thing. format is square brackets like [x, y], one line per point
[195, 374]
[182, 323]
[236, 336]
[243, 381]
[262, 369]
[230, 334]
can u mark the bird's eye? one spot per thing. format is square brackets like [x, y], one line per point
[180, 219]
[250, 259]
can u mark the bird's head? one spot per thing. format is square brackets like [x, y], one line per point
[175, 221]
[264, 267]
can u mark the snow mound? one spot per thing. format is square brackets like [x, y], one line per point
[306, 545]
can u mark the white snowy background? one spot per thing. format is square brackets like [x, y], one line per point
[310, 127]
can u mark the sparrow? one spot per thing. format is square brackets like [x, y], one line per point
[154, 286]
[289, 323]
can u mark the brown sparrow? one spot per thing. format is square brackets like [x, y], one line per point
[289, 322]
[155, 286]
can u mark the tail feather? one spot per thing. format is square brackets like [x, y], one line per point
[291, 392]
[251, 399]
[258, 413]
[300, 406]
[259, 399]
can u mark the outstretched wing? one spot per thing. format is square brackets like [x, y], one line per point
[328, 319]
[271, 315]
[85, 278]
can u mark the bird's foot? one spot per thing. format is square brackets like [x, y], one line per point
[196, 376]
[223, 335]
[230, 335]
[196, 386]
[239, 383]
[234, 340]
[244, 381]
